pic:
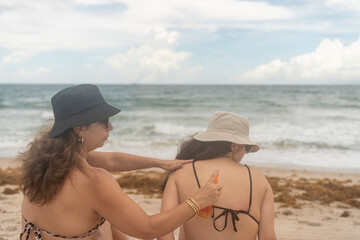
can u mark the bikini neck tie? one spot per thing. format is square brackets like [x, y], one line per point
[27, 229]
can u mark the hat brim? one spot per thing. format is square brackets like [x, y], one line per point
[87, 117]
[211, 136]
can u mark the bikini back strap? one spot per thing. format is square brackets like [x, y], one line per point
[250, 178]
[225, 213]
[196, 177]
[37, 231]
[234, 217]
[250, 199]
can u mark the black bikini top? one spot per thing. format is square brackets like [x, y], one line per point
[37, 231]
[226, 211]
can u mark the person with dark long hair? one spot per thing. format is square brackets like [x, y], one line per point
[67, 198]
[245, 209]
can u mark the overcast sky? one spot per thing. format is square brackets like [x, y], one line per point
[180, 41]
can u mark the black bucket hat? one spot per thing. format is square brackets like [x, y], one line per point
[78, 106]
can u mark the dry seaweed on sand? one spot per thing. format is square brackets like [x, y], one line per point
[9, 176]
[287, 191]
[324, 191]
[290, 192]
[9, 191]
[144, 182]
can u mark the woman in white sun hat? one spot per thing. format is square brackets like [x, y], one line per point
[245, 209]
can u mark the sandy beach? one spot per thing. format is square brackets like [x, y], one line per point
[297, 215]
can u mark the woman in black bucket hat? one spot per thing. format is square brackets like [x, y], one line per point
[66, 197]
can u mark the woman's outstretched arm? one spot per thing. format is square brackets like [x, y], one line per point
[118, 162]
[110, 202]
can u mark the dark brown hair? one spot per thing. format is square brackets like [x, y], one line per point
[46, 164]
[198, 150]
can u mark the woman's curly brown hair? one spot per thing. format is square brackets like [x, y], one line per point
[46, 164]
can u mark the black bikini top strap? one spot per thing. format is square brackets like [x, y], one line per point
[197, 180]
[250, 200]
[253, 218]
[225, 213]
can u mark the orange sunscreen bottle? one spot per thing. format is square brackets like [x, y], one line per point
[205, 212]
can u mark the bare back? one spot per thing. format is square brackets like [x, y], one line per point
[70, 213]
[235, 195]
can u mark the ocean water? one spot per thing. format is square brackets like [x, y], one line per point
[296, 126]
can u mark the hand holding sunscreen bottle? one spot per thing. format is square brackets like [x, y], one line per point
[205, 212]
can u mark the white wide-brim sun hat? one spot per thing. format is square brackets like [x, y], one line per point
[230, 127]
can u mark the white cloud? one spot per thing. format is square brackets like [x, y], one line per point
[89, 66]
[155, 62]
[94, 2]
[147, 65]
[52, 25]
[353, 5]
[205, 11]
[331, 62]
[164, 37]
[32, 73]
[28, 28]
[18, 56]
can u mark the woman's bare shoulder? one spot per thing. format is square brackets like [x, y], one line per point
[180, 173]
[101, 185]
[257, 174]
[95, 179]
[99, 176]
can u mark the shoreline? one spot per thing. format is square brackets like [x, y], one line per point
[5, 162]
[297, 167]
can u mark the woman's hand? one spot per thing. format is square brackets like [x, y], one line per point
[170, 165]
[210, 193]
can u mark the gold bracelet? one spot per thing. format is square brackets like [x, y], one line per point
[196, 210]
[192, 206]
[196, 204]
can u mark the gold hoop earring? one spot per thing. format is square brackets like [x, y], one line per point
[81, 139]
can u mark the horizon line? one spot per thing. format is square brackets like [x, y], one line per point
[188, 84]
